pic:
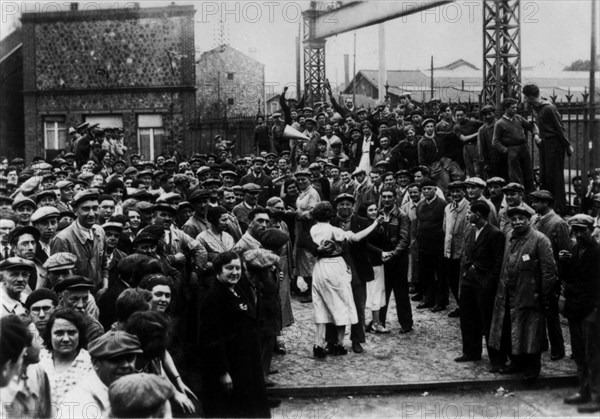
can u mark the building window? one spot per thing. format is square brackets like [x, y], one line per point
[229, 76]
[230, 101]
[151, 135]
[55, 135]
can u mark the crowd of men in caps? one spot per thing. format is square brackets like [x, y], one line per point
[118, 274]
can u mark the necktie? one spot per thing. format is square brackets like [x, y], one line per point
[6, 252]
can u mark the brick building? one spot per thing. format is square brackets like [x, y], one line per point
[229, 83]
[130, 68]
[12, 143]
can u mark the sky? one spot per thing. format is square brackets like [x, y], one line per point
[551, 30]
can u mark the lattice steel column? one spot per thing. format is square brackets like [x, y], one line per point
[501, 50]
[314, 58]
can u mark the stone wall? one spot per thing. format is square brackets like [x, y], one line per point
[216, 88]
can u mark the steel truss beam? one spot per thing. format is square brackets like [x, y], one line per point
[501, 50]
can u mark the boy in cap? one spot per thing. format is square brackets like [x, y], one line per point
[580, 271]
[45, 220]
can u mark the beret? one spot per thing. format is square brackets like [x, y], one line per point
[456, 185]
[60, 261]
[581, 220]
[85, 195]
[251, 187]
[542, 195]
[345, 197]
[43, 213]
[21, 200]
[114, 343]
[41, 294]
[273, 238]
[61, 184]
[19, 231]
[198, 194]
[258, 160]
[138, 395]
[514, 187]
[112, 225]
[16, 262]
[475, 181]
[520, 209]
[496, 180]
[73, 282]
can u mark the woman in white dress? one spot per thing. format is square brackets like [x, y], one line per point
[332, 291]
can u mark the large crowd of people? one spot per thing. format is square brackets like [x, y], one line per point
[118, 274]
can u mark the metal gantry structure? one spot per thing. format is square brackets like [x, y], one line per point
[501, 40]
[501, 50]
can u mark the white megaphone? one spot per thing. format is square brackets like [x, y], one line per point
[293, 133]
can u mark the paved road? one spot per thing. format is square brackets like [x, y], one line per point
[427, 354]
[434, 405]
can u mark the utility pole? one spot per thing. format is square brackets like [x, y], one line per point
[382, 67]
[354, 74]
[431, 78]
[592, 119]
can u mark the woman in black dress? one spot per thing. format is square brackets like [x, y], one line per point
[232, 378]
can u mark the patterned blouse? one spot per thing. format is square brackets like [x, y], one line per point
[60, 384]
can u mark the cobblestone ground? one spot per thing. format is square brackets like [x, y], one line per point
[501, 403]
[425, 354]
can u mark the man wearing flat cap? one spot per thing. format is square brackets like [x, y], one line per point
[113, 356]
[199, 199]
[258, 177]
[527, 277]
[475, 187]
[513, 192]
[580, 271]
[45, 220]
[85, 240]
[549, 223]
[24, 207]
[494, 187]
[14, 272]
[141, 395]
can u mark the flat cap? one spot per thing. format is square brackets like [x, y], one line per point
[212, 181]
[112, 225]
[581, 220]
[130, 171]
[73, 282]
[60, 261]
[542, 195]
[147, 172]
[184, 204]
[85, 195]
[163, 206]
[488, 109]
[273, 238]
[61, 184]
[251, 188]
[520, 210]
[335, 142]
[456, 185]
[144, 206]
[138, 395]
[198, 195]
[145, 238]
[496, 180]
[358, 171]
[271, 155]
[314, 166]
[16, 262]
[427, 121]
[258, 159]
[403, 172]
[168, 197]
[47, 193]
[114, 343]
[513, 187]
[39, 295]
[345, 197]
[44, 213]
[229, 173]
[202, 169]
[21, 200]
[179, 178]
[475, 181]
